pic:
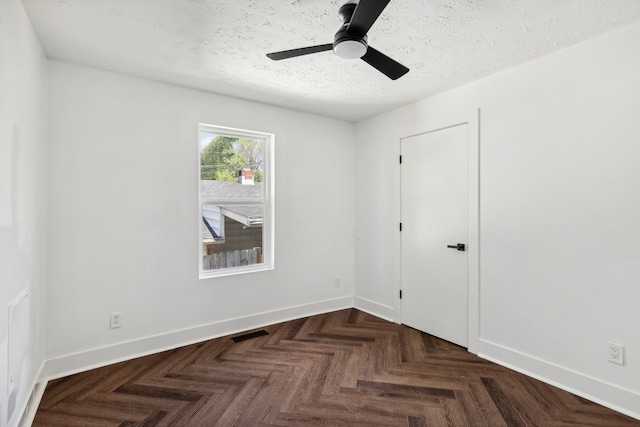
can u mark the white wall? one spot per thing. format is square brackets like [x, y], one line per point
[559, 213]
[123, 218]
[23, 203]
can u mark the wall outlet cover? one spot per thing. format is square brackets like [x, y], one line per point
[616, 353]
[116, 320]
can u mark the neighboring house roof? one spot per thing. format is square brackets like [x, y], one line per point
[249, 215]
[225, 190]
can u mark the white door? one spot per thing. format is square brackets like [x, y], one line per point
[434, 217]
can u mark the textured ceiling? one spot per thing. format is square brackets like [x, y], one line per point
[220, 45]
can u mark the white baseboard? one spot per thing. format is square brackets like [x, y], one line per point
[98, 357]
[24, 417]
[376, 309]
[614, 397]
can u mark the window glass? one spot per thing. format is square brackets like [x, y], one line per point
[235, 201]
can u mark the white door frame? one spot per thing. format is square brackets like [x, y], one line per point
[471, 118]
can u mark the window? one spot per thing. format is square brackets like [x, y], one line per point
[236, 201]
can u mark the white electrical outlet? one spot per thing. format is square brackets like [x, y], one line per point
[337, 282]
[616, 353]
[116, 320]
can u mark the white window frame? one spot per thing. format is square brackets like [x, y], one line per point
[268, 225]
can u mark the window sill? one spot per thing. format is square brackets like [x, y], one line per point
[207, 274]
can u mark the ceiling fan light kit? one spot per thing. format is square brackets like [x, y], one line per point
[350, 49]
[350, 42]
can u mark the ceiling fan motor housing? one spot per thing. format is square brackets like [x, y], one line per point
[346, 45]
[346, 11]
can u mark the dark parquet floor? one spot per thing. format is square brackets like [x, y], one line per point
[345, 368]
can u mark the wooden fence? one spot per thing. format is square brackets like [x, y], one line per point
[229, 259]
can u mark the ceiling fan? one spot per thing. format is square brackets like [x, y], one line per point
[350, 42]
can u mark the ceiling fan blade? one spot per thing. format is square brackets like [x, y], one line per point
[276, 56]
[387, 66]
[366, 13]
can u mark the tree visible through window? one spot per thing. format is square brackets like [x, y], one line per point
[235, 201]
[223, 156]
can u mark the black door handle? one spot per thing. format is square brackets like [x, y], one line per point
[459, 246]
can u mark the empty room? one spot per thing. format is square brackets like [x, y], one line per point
[223, 212]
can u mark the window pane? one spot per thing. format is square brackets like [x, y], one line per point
[232, 235]
[231, 167]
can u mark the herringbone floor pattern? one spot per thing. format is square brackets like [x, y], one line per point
[345, 368]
